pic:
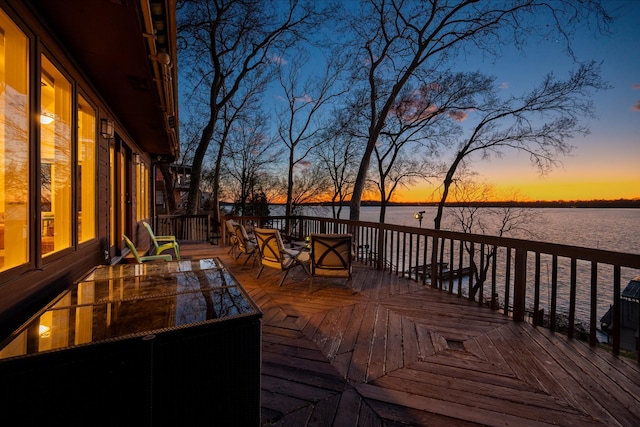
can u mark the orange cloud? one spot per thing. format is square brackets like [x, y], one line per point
[458, 115]
[277, 59]
[305, 99]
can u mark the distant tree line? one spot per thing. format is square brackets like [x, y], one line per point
[620, 203]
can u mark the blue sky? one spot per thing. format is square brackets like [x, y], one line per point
[605, 164]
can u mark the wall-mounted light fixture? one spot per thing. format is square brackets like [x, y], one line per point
[418, 216]
[106, 128]
[136, 158]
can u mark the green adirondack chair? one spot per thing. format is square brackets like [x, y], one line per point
[145, 258]
[163, 243]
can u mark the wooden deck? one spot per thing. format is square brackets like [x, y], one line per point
[396, 353]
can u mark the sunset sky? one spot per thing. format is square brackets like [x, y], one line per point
[603, 165]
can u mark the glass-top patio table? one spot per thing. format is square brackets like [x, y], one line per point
[158, 338]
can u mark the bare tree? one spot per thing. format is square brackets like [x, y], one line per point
[338, 157]
[420, 123]
[396, 170]
[398, 40]
[539, 123]
[221, 43]
[188, 143]
[473, 216]
[248, 151]
[310, 186]
[305, 96]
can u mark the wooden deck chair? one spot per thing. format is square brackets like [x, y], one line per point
[231, 232]
[274, 255]
[145, 258]
[163, 243]
[245, 245]
[331, 256]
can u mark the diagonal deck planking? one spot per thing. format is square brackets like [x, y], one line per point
[396, 353]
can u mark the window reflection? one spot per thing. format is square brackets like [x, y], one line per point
[86, 170]
[14, 145]
[55, 149]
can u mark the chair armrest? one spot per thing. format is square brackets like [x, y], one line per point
[292, 252]
[156, 258]
[299, 254]
[166, 238]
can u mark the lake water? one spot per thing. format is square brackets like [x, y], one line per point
[608, 229]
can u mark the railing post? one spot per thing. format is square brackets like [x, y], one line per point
[519, 285]
[380, 244]
[434, 262]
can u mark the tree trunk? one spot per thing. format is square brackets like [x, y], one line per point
[358, 187]
[167, 178]
[196, 168]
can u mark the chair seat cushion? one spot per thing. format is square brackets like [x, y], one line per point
[331, 272]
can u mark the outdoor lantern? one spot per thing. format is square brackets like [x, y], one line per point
[418, 216]
[106, 128]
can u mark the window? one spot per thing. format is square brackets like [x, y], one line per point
[14, 145]
[86, 171]
[139, 214]
[56, 164]
[112, 196]
[142, 183]
[145, 194]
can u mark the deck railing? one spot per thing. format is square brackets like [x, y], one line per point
[188, 228]
[565, 288]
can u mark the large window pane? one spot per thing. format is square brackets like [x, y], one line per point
[56, 166]
[145, 193]
[14, 145]
[112, 196]
[86, 170]
[142, 182]
[139, 213]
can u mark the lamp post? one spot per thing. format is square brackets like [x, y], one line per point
[418, 216]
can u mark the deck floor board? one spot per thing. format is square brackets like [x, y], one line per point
[394, 352]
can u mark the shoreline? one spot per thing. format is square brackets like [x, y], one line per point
[608, 204]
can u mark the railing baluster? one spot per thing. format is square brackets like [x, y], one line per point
[572, 299]
[451, 265]
[594, 304]
[616, 310]
[554, 292]
[434, 261]
[519, 285]
[494, 266]
[461, 263]
[471, 263]
[536, 293]
[507, 282]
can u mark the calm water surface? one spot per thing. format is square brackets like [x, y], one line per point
[610, 229]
